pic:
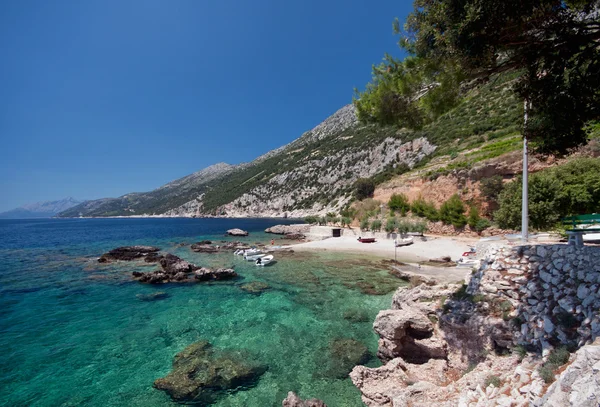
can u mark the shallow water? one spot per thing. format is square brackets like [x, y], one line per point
[75, 332]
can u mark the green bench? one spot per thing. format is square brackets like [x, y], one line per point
[575, 224]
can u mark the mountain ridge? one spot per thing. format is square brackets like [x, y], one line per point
[42, 209]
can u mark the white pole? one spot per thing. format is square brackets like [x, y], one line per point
[525, 198]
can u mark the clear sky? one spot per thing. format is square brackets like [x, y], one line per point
[102, 98]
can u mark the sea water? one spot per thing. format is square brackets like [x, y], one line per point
[74, 332]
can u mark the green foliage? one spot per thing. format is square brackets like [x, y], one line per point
[491, 188]
[420, 207]
[390, 225]
[364, 224]
[569, 189]
[346, 221]
[556, 359]
[452, 212]
[323, 221]
[312, 220]
[552, 44]
[376, 225]
[399, 202]
[492, 380]
[407, 226]
[476, 222]
[364, 188]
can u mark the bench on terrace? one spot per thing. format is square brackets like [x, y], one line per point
[579, 225]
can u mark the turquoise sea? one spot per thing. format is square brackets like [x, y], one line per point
[74, 332]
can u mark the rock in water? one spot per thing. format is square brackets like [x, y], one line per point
[172, 264]
[205, 274]
[200, 372]
[159, 295]
[344, 354]
[301, 228]
[255, 287]
[292, 400]
[201, 247]
[237, 232]
[127, 253]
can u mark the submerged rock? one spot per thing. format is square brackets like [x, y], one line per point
[200, 372]
[159, 295]
[237, 232]
[344, 354]
[356, 315]
[153, 258]
[127, 253]
[255, 287]
[292, 400]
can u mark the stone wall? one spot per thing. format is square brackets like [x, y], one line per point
[553, 290]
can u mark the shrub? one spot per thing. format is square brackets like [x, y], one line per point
[476, 222]
[399, 202]
[346, 221]
[390, 225]
[364, 224]
[322, 221]
[376, 225]
[364, 188]
[491, 188]
[556, 359]
[452, 212]
[495, 380]
[420, 207]
[569, 189]
[311, 220]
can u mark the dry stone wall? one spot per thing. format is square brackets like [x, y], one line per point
[553, 288]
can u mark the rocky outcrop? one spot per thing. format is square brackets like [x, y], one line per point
[127, 253]
[292, 400]
[204, 248]
[237, 232]
[206, 274]
[201, 372]
[407, 333]
[302, 228]
[173, 265]
[523, 296]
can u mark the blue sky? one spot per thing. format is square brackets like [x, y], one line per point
[102, 98]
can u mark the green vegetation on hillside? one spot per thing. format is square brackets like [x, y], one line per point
[569, 189]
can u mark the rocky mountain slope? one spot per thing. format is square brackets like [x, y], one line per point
[46, 209]
[315, 173]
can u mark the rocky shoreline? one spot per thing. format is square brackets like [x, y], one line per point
[523, 332]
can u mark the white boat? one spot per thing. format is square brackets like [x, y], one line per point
[253, 257]
[244, 252]
[466, 262]
[404, 242]
[263, 261]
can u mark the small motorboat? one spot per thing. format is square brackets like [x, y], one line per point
[366, 239]
[467, 262]
[263, 261]
[253, 257]
[404, 242]
[244, 252]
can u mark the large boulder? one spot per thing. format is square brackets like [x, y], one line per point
[292, 400]
[408, 334]
[237, 232]
[255, 287]
[200, 373]
[206, 274]
[127, 253]
[172, 265]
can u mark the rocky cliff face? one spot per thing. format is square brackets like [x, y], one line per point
[498, 341]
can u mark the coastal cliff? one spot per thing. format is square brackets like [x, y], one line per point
[503, 339]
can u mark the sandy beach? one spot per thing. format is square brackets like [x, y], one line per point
[434, 246]
[419, 251]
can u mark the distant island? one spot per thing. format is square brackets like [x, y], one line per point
[45, 209]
